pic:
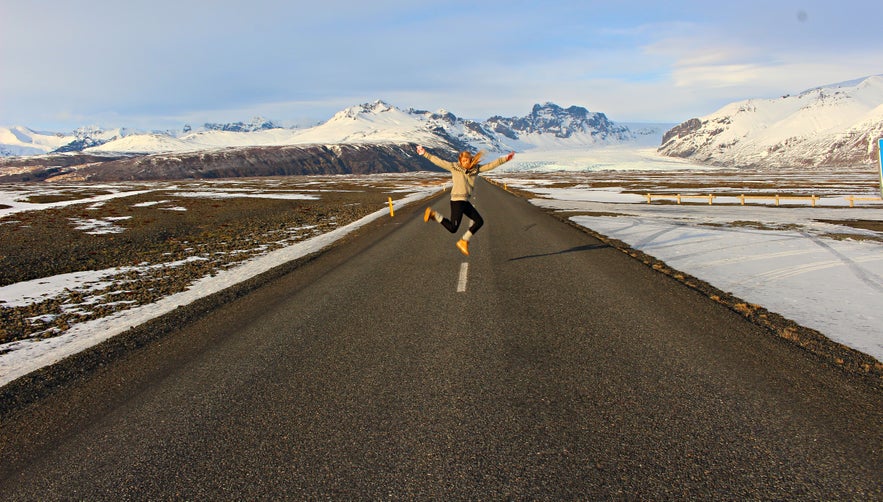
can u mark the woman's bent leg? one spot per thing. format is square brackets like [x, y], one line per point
[472, 214]
[457, 209]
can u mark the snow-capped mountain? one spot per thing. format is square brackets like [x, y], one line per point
[833, 125]
[256, 124]
[18, 141]
[85, 138]
[22, 141]
[366, 138]
[463, 134]
[550, 125]
[370, 123]
[380, 122]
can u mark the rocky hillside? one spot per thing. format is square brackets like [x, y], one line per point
[225, 163]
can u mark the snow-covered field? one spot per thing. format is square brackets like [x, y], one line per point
[802, 262]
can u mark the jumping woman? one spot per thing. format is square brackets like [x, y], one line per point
[463, 175]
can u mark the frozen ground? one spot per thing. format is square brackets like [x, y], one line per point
[807, 264]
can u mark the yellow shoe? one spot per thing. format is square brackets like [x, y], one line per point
[463, 246]
[429, 213]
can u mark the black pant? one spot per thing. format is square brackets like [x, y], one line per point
[458, 209]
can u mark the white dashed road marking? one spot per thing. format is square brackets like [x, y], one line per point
[464, 271]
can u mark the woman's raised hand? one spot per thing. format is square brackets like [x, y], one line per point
[420, 150]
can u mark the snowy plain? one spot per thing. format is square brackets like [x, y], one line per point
[786, 259]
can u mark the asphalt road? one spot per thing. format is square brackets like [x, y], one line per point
[549, 366]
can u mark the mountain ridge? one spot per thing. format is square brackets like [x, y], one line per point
[366, 138]
[826, 126]
[377, 123]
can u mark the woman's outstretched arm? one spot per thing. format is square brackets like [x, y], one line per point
[497, 163]
[444, 164]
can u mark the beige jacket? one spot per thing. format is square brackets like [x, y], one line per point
[463, 183]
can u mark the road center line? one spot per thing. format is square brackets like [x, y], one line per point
[464, 271]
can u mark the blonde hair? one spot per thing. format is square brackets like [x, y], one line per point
[473, 159]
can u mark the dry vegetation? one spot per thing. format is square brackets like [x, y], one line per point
[164, 240]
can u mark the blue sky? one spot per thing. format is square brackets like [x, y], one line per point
[158, 64]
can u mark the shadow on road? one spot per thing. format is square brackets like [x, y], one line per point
[571, 250]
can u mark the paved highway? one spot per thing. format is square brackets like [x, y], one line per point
[543, 366]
